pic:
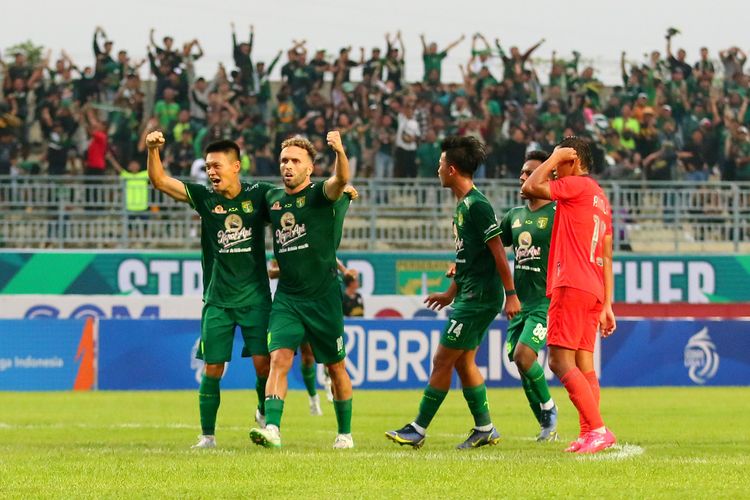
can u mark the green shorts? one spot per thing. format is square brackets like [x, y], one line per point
[318, 320]
[528, 327]
[217, 332]
[467, 326]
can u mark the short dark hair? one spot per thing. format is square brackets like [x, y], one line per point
[583, 150]
[224, 146]
[537, 155]
[464, 153]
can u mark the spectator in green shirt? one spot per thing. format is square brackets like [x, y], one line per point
[428, 155]
[627, 126]
[167, 110]
[433, 60]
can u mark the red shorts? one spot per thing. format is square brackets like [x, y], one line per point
[573, 319]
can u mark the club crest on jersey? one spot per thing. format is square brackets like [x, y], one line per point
[300, 202]
[541, 222]
[218, 209]
[516, 223]
[247, 207]
[276, 206]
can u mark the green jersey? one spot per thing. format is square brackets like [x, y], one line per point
[474, 224]
[233, 244]
[529, 233]
[304, 227]
[339, 211]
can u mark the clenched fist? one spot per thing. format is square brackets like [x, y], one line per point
[155, 140]
[334, 141]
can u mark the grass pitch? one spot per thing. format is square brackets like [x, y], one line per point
[686, 442]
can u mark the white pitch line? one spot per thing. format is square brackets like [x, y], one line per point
[618, 452]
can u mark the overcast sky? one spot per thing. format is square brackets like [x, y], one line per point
[599, 29]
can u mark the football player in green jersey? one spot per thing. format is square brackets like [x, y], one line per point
[307, 358]
[236, 290]
[528, 229]
[307, 303]
[482, 272]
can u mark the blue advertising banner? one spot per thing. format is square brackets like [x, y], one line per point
[46, 355]
[657, 353]
[160, 354]
[397, 354]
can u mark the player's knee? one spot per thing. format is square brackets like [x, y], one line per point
[262, 365]
[281, 360]
[337, 370]
[214, 370]
[443, 363]
[523, 360]
[558, 364]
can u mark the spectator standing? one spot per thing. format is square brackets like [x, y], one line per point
[407, 135]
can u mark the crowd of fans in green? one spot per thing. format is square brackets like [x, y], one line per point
[671, 118]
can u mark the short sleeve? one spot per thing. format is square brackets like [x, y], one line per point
[320, 197]
[506, 234]
[483, 217]
[196, 193]
[567, 187]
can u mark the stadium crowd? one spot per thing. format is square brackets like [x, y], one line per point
[671, 118]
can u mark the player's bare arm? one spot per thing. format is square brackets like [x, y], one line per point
[437, 301]
[607, 321]
[159, 179]
[335, 185]
[537, 185]
[512, 304]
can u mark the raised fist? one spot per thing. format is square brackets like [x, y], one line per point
[155, 140]
[334, 141]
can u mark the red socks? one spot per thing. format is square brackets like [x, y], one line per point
[583, 391]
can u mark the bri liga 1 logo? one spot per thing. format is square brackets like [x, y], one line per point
[701, 358]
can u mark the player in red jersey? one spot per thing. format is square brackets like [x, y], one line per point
[579, 281]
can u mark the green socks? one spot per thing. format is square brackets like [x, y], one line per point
[538, 383]
[308, 375]
[534, 402]
[428, 407]
[260, 389]
[209, 399]
[274, 409]
[343, 411]
[476, 398]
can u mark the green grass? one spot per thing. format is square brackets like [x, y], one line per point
[693, 442]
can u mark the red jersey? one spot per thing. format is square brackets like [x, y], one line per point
[97, 152]
[583, 217]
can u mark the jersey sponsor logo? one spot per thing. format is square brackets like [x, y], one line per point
[233, 209]
[459, 241]
[276, 206]
[541, 222]
[218, 209]
[234, 233]
[701, 358]
[300, 202]
[526, 251]
[290, 231]
[516, 223]
[247, 207]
